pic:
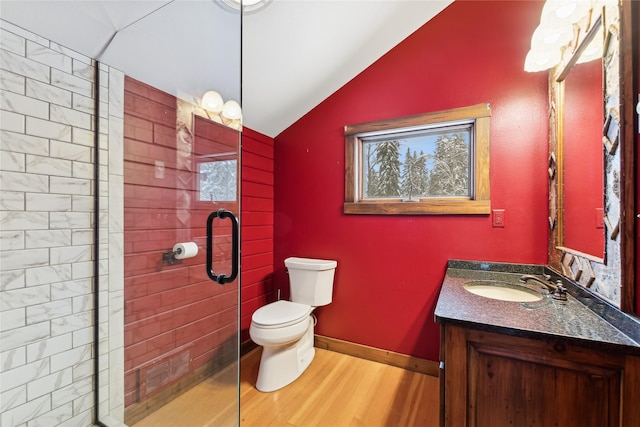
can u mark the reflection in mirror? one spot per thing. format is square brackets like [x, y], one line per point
[582, 203]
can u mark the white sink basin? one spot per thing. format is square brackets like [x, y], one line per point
[503, 291]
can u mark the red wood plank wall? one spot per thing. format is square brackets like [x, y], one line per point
[257, 224]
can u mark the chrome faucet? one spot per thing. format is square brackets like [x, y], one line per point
[556, 290]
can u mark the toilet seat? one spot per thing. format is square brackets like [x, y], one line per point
[280, 314]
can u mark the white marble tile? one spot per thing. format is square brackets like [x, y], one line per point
[69, 220]
[70, 52]
[48, 202]
[11, 319]
[83, 369]
[82, 270]
[13, 122]
[70, 82]
[63, 150]
[83, 69]
[46, 56]
[48, 310]
[11, 240]
[47, 238]
[71, 117]
[81, 420]
[13, 358]
[82, 237]
[13, 398]
[67, 359]
[12, 82]
[48, 129]
[47, 347]
[70, 254]
[83, 103]
[116, 93]
[19, 337]
[12, 161]
[48, 166]
[82, 303]
[48, 274]
[20, 220]
[83, 203]
[68, 324]
[69, 185]
[11, 279]
[82, 170]
[21, 143]
[82, 404]
[83, 336]
[24, 413]
[23, 33]
[23, 66]
[71, 289]
[56, 417]
[116, 147]
[24, 297]
[12, 42]
[12, 201]
[47, 93]
[49, 383]
[83, 137]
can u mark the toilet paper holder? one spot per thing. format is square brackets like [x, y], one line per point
[169, 257]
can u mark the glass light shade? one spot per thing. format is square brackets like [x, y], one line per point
[541, 59]
[212, 101]
[231, 110]
[556, 36]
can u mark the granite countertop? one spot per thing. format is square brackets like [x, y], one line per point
[570, 320]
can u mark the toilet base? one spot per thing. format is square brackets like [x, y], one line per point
[281, 365]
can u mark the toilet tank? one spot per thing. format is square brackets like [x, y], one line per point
[311, 280]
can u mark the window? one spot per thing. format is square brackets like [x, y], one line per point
[435, 163]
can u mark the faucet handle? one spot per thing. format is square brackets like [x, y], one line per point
[547, 276]
[561, 292]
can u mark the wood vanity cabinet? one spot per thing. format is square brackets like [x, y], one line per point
[495, 380]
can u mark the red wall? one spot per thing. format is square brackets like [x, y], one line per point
[257, 225]
[390, 267]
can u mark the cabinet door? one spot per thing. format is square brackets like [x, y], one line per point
[493, 380]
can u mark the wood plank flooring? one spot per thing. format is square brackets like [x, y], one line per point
[336, 390]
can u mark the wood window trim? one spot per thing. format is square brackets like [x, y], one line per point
[479, 205]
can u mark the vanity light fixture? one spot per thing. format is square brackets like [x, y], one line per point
[227, 113]
[556, 31]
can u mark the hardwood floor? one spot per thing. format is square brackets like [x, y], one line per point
[336, 390]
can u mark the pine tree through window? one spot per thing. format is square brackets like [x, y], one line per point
[435, 163]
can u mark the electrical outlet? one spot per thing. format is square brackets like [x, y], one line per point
[498, 217]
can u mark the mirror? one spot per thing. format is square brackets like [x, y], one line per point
[581, 117]
[606, 268]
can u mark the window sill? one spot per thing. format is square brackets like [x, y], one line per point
[431, 207]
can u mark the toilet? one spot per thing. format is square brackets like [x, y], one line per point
[285, 328]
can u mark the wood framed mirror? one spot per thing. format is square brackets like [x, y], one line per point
[593, 244]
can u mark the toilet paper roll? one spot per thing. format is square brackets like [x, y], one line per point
[185, 250]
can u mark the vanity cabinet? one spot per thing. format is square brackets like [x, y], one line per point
[495, 380]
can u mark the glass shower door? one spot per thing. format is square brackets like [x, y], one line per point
[181, 313]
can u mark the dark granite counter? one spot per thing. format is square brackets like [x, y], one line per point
[572, 320]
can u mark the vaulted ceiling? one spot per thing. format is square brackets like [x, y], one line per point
[281, 61]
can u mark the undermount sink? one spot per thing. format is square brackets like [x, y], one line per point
[503, 291]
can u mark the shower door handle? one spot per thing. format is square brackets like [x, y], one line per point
[235, 246]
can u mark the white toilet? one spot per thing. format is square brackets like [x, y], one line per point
[285, 328]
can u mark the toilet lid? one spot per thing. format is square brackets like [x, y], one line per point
[280, 313]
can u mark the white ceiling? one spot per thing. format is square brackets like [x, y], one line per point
[295, 53]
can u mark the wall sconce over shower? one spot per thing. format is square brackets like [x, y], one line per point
[227, 113]
[558, 29]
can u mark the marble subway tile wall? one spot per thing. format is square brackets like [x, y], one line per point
[46, 222]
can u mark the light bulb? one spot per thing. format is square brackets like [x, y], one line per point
[212, 101]
[231, 110]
